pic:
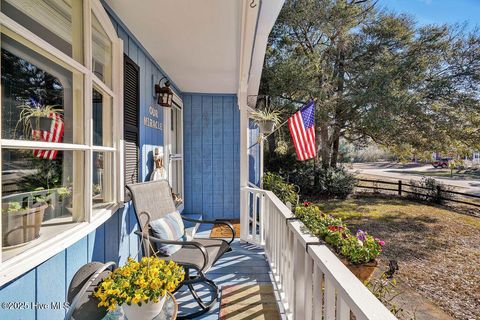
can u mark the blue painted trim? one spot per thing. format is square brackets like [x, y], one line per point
[138, 43]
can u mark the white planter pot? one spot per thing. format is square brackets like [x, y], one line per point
[147, 311]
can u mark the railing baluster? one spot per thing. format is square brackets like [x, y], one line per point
[299, 278]
[254, 217]
[308, 288]
[317, 291]
[274, 227]
[266, 220]
[291, 284]
[343, 311]
[278, 235]
[262, 218]
[329, 300]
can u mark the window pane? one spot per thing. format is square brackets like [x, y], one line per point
[176, 128]
[59, 22]
[103, 173]
[102, 118]
[42, 195]
[102, 52]
[41, 99]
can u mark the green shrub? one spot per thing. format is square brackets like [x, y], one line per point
[284, 191]
[331, 182]
[316, 221]
[429, 189]
[357, 248]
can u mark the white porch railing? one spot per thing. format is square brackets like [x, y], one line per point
[311, 280]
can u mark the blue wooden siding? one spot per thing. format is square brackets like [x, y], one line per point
[212, 155]
[253, 153]
[48, 282]
[149, 137]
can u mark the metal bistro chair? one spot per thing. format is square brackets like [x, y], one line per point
[153, 200]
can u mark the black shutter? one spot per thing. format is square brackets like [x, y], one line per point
[130, 119]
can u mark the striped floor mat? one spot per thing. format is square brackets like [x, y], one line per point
[243, 301]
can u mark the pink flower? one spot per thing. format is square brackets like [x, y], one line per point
[307, 203]
[380, 242]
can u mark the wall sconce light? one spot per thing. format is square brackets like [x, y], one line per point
[164, 93]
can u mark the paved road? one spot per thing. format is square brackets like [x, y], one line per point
[406, 173]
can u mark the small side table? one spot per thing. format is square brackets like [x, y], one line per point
[169, 311]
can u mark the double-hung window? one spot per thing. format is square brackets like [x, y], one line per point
[60, 110]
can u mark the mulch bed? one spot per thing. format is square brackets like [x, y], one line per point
[437, 250]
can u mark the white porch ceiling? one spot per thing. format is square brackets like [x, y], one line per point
[197, 43]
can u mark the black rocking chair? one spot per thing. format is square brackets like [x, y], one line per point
[153, 200]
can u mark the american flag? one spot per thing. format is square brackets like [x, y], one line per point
[302, 130]
[55, 134]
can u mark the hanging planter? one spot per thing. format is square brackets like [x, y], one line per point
[38, 118]
[266, 126]
[266, 120]
[41, 123]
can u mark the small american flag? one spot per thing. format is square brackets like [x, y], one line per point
[55, 134]
[302, 130]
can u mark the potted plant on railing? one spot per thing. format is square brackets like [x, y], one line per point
[21, 224]
[357, 251]
[38, 118]
[266, 120]
[140, 288]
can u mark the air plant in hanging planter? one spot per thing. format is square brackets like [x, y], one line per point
[266, 120]
[281, 148]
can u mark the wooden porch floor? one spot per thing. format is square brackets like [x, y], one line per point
[246, 290]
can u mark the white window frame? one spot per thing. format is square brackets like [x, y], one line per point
[32, 257]
[167, 140]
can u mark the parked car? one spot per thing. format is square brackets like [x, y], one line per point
[441, 163]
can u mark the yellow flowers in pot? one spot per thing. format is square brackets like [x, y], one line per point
[139, 282]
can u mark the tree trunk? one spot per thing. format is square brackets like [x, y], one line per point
[325, 145]
[339, 106]
[335, 146]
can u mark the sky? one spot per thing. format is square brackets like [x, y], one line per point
[437, 11]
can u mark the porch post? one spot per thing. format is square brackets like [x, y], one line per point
[242, 103]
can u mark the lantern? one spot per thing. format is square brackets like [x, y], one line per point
[164, 93]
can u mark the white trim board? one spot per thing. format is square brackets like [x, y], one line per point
[28, 260]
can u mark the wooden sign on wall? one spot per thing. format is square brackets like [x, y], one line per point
[152, 118]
